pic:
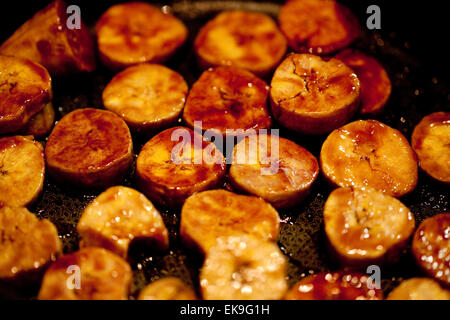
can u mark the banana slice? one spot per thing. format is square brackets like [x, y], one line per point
[90, 148]
[147, 96]
[376, 86]
[119, 216]
[176, 164]
[137, 32]
[366, 227]
[228, 98]
[243, 268]
[257, 47]
[41, 123]
[273, 168]
[419, 289]
[211, 214]
[167, 289]
[368, 153]
[338, 285]
[49, 38]
[313, 96]
[27, 245]
[25, 88]
[88, 274]
[431, 141]
[318, 26]
[431, 247]
[22, 170]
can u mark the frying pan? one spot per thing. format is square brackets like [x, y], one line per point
[418, 90]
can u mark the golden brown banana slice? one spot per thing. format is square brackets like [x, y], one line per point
[431, 247]
[208, 215]
[136, 32]
[119, 216]
[368, 153]
[27, 245]
[339, 285]
[243, 268]
[431, 142]
[88, 274]
[313, 96]
[90, 148]
[318, 26]
[25, 88]
[22, 170]
[177, 163]
[47, 39]
[41, 123]
[375, 83]
[168, 288]
[242, 39]
[147, 96]
[419, 289]
[366, 227]
[273, 168]
[228, 98]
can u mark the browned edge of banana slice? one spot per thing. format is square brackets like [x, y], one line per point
[119, 217]
[87, 274]
[431, 142]
[318, 26]
[419, 289]
[41, 123]
[366, 227]
[90, 148]
[228, 98]
[313, 96]
[243, 268]
[22, 170]
[26, 88]
[47, 39]
[368, 153]
[339, 285]
[148, 97]
[136, 32]
[168, 288]
[431, 247]
[177, 163]
[27, 245]
[273, 168]
[247, 40]
[208, 215]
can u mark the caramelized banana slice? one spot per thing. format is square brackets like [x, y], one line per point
[22, 169]
[211, 214]
[90, 148]
[42, 122]
[313, 96]
[167, 289]
[25, 88]
[431, 247]
[243, 268]
[88, 274]
[375, 83]
[419, 289]
[338, 285]
[368, 153]
[366, 227]
[228, 98]
[147, 96]
[273, 168]
[119, 216]
[135, 32]
[318, 26]
[176, 164]
[27, 244]
[246, 40]
[47, 39]
[431, 141]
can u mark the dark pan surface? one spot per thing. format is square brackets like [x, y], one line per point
[416, 93]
